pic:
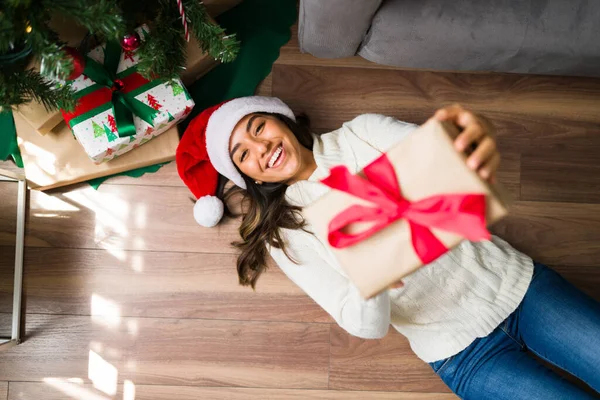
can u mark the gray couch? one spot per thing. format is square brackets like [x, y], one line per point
[557, 37]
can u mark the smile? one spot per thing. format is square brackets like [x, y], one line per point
[277, 157]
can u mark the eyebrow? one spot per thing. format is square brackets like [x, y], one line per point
[250, 121]
[248, 127]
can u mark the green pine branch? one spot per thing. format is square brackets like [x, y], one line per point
[101, 17]
[162, 52]
[21, 86]
[212, 37]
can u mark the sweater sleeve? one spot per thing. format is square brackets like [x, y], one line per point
[368, 319]
[379, 131]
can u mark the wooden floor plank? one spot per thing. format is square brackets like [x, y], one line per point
[154, 284]
[334, 95]
[554, 233]
[387, 364]
[563, 173]
[121, 217]
[265, 88]
[56, 390]
[165, 176]
[170, 351]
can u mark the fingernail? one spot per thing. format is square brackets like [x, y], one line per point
[472, 163]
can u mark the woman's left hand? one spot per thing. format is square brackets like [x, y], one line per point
[477, 135]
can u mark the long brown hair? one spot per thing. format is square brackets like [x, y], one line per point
[265, 211]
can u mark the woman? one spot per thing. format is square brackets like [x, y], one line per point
[475, 314]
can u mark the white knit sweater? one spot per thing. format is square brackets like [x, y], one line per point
[444, 306]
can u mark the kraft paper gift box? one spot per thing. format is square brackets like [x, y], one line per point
[56, 159]
[405, 209]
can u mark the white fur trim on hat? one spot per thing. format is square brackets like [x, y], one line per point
[225, 118]
[208, 211]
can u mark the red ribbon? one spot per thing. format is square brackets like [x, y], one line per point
[463, 214]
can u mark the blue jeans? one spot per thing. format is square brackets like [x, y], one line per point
[555, 321]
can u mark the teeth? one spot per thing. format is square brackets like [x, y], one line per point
[275, 156]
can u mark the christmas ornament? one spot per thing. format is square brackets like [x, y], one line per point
[78, 62]
[183, 20]
[131, 42]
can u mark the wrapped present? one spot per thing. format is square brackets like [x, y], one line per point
[197, 63]
[117, 108]
[218, 7]
[404, 210]
[33, 112]
[56, 159]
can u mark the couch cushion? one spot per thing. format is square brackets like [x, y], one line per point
[334, 28]
[535, 36]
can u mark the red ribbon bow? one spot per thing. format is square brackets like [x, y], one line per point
[463, 214]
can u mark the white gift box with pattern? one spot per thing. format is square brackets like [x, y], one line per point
[94, 122]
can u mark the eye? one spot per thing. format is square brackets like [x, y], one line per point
[260, 128]
[244, 155]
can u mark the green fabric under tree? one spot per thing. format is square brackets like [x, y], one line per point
[262, 26]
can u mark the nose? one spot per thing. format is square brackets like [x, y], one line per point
[259, 148]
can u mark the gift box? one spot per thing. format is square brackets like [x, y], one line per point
[33, 112]
[405, 209]
[197, 62]
[117, 109]
[56, 159]
[217, 7]
[197, 65]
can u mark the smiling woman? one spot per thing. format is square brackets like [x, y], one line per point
[264, 148]
[472, 314]
[271, 151]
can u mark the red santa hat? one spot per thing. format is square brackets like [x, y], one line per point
[203, 152]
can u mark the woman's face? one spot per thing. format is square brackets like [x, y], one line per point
[265, 149]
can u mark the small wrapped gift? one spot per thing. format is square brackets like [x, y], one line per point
[56, 159]
[117, 108]
[40, 119]
[404, 210]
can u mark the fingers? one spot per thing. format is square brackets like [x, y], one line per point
[488, 171]
[477, 134]
[448, 113]
[457, 114]
[485, 159]
[471, 135]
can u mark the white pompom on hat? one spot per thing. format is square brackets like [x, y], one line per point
[203, 152]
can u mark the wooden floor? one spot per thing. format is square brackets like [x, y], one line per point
[127, 298]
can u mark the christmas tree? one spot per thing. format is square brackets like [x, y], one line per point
[26, 39]
[177, 89]
[152, 102]
[109, 134]
[98, 131]
[112, 123]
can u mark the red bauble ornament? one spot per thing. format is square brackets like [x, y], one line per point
[131, 42]
[78, 62]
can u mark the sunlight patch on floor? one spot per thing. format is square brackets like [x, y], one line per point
[103, 374]
[46, 202]
[105, 312]
[128, 390]
[73, 389]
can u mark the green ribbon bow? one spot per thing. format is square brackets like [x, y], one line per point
[124, 105]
